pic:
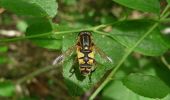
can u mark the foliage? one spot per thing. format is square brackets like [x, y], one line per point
[129, 42]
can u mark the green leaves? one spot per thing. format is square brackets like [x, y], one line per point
[128, 33]
[142, 5]
[7, 89]
[37, 8]
[146, 85]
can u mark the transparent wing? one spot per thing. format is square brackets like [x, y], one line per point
[103, 54]
[60, 58]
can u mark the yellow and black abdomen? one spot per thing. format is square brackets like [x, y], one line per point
[86, 61]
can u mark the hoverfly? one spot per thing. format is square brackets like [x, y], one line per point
[85, 50]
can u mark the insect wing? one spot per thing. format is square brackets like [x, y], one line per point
[58, 60]
[62, 57]
[103, 56]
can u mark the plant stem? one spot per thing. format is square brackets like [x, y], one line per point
[23, 38]
[45, 34]
[164, 11]
[109, 77]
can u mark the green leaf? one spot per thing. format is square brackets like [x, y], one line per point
[40, 27]
[115, 90]
[129, 32]
[7, 89]
[142, 5]
[78, 84]
[146, 85]
[36, 8]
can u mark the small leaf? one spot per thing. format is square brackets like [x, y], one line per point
[40, 27]
[36, 8]
[146, 85]
[7, 89]
[142, 5]
[78, 84]
[129, 32]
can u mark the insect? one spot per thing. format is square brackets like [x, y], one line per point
[85, 50]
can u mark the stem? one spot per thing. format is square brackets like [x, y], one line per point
[164, 11]
[22, 38]
[44, 34]
[165, 16]
[99, 27]
[109, 77]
